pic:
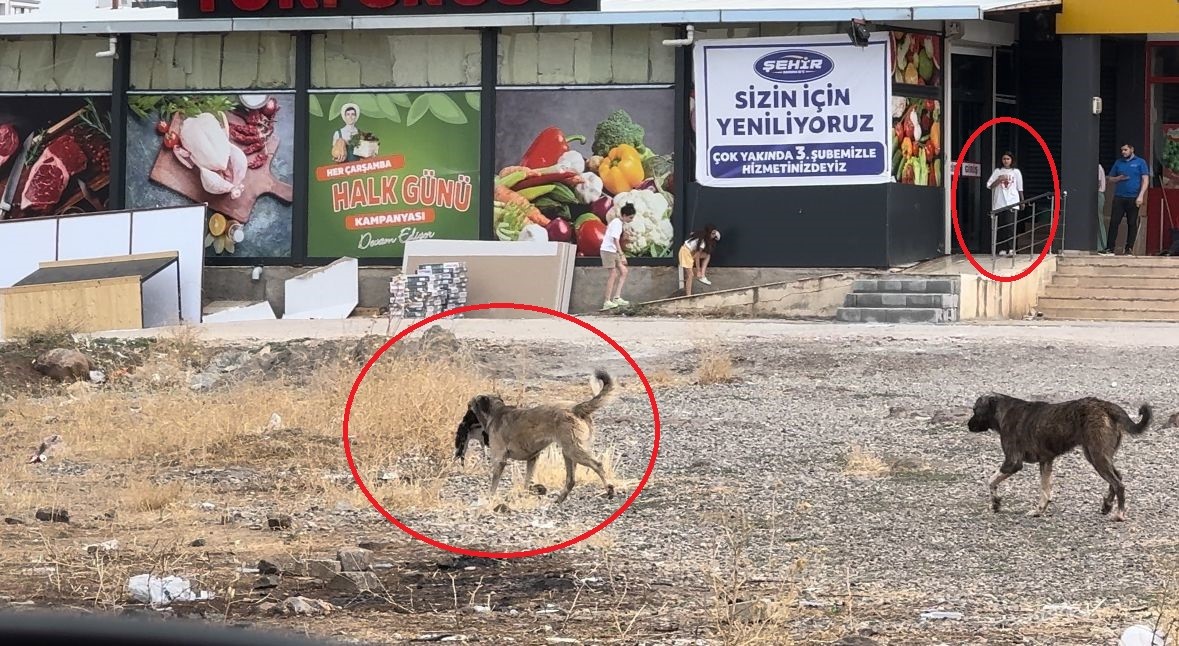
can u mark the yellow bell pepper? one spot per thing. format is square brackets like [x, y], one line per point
[622, 169]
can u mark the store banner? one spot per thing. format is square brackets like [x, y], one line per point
[54, 155]
[792, 111]
[196, 9]
[234, 152]
[388, 168]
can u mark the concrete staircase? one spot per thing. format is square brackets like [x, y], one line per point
[901, 299]
[1113, 288]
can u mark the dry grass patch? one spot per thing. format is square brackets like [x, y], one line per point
[744, 610]
[715, 367]
[860, 462]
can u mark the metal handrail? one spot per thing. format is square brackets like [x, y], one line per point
[1027, 206]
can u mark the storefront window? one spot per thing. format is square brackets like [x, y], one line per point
[1164, 112]
[399, 58]
[238, 60]
[592, 111]
[55, 64]
[59, 102]
[1165, 61]
[211, 119]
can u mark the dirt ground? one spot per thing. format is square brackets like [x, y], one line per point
[814, 484]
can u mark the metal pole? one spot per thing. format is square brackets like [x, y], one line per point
[994, 240]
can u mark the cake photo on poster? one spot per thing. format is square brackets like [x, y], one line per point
[54, 155]
[234, 152]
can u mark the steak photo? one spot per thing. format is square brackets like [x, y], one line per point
[61, 160]
[9, 142]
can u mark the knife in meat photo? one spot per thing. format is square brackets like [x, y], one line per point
[18, 166]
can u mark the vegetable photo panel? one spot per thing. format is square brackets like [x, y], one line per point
[583, 154]
[233, 151]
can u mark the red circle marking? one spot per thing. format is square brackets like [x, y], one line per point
[1055, 202]
[487, 306]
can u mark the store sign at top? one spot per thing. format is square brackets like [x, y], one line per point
[323, 8]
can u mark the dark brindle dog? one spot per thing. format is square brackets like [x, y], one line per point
[1040, 432]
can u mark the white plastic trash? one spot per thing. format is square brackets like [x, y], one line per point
[1140, 635]
[161, 591]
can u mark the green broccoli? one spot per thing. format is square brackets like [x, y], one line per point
[619, 128]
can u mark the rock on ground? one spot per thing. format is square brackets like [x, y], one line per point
[63, 364]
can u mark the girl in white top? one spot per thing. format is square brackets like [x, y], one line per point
[1006, 184]
[695, 254]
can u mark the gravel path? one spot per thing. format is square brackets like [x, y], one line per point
[770, 449]
[775, 443]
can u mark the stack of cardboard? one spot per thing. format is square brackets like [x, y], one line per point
[520, 272]
[433, 289]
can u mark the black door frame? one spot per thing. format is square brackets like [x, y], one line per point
[975, 225]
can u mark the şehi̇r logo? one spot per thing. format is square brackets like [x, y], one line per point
[794, 66]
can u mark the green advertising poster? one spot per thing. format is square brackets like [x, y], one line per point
[389, 168]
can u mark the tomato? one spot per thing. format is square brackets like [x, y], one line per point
[161, 127]
[590, 234]
[171, 139]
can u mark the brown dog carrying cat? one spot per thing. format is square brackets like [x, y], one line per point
[519, 433]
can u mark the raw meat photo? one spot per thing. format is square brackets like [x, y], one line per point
[54, 155]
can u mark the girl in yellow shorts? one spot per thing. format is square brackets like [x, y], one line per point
[695, 254]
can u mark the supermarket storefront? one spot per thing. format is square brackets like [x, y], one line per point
[351, 129]
[1127, 54]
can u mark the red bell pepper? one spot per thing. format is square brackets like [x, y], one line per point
[544, 178]
[548, 147]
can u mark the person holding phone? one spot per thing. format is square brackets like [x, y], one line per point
[1006, 184]
[1131, 176]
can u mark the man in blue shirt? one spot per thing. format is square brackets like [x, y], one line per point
[1130, 176]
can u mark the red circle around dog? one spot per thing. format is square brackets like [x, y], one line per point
[478, 553]
[1055, 202]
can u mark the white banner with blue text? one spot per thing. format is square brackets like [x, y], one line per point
[792, 111]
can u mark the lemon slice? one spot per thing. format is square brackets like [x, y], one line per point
[217, 224]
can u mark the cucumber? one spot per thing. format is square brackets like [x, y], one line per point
[564, 194]
[533, 192]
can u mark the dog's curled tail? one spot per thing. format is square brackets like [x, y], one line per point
[1147, 414]
[603, 398]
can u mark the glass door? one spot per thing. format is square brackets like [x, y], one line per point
[971, 101]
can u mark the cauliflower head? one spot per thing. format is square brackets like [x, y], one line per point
[650, 234]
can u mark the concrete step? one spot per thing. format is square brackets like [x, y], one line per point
[895, 315]
[1119, 270]
[1115, 282]
[1118, 261]
[906, 285]
[1083, 313]
[1110, 303]
[1130, 292]
[901, 299]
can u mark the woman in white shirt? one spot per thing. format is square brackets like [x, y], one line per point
[1006, 184]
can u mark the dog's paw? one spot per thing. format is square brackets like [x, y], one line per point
[539, 489]
[1105, 509]
[1034, 513]
[610, 492]
[1120, 517]
[502, 508]
[995, 504]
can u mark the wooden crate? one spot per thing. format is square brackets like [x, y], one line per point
[81, 306]
[86, 295]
